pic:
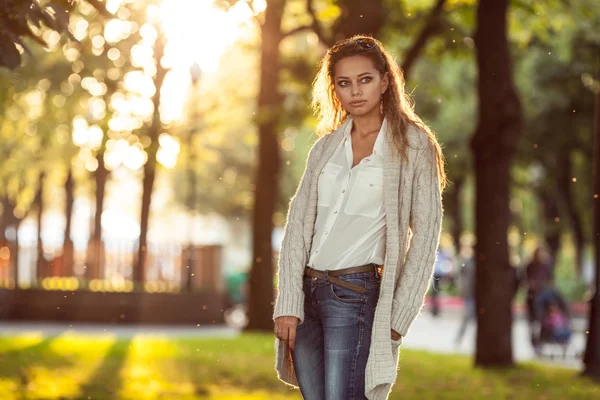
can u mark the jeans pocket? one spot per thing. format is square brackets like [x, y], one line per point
[346, 295]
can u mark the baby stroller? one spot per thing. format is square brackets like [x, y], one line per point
[554, 322]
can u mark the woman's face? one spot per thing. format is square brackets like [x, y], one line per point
[358, 85]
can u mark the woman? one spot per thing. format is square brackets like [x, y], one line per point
[352, 274]
[538, 274]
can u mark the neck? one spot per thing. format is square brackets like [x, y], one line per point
[366, 125]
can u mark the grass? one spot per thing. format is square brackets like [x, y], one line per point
[72, 366]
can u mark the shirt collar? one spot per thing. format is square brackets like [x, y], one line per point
[379, 146]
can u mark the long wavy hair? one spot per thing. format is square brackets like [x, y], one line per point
[397, 105]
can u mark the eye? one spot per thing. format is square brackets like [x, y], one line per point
[366, 79]
[343, 83]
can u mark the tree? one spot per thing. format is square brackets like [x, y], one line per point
[493, 144]
[150, 166]
[20, 19]
[267, 175]
[591, 358]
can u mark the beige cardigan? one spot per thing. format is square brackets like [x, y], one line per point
[413, 207]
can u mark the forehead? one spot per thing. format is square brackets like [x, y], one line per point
[353, 66]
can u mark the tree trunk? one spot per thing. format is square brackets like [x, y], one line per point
[358, 17]
[494, 144]
[15, 256]
[41, 264]
[95, 256]
[592, 351]
[68, 243]
[10, 219]
[4, 218]
[260, 279]
[139, 271]
[565, 182]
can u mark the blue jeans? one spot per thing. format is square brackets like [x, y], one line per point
[333, 341]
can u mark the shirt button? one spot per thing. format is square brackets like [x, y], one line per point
[344, 191]
[335, 212]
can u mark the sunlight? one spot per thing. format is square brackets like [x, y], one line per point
[197, 32]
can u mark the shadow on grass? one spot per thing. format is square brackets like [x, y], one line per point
[17, 364]
[106, 380]
[243, 362]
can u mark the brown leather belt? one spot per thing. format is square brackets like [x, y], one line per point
[330, 276]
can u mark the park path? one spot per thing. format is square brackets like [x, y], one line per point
[427, 333]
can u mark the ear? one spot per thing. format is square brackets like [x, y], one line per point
[385, 82]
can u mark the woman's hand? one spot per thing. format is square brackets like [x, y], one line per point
[396, 335]
[285, 329]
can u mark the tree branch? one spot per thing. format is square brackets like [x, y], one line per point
[431, 27]
[297, 30]
[316, 26]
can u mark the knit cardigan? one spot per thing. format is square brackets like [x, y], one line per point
[413, 208]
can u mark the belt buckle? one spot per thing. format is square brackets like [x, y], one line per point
[310, 273]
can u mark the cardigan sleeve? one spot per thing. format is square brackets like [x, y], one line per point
[292, 257]
[425, 224]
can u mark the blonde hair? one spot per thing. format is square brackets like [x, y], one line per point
[398, 106]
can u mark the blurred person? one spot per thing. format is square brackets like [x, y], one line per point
[466, 281]
[557, 323]
[362, 231]
[441, 271]
[555, 318]
[537, 275]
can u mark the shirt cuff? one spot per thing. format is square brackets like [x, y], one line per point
[290, 304]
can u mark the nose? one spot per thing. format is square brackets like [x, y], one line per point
[355, 89]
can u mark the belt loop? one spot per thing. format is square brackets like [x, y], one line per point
[326, 276]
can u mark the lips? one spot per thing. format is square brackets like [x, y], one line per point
[357, 102]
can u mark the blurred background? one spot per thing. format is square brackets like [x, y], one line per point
[149, 149]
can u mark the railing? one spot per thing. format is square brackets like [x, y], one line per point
[169, 267]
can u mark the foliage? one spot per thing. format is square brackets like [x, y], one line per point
[24, 19]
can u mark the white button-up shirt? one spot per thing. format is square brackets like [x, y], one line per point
[350, 227]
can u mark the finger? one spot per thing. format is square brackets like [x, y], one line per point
[292, 337]
[286, 333]
[279, 329]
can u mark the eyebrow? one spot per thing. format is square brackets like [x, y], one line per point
[364, 73]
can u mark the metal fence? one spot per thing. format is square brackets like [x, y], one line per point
[170, 267]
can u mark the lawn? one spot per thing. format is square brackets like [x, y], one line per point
[72, 366]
